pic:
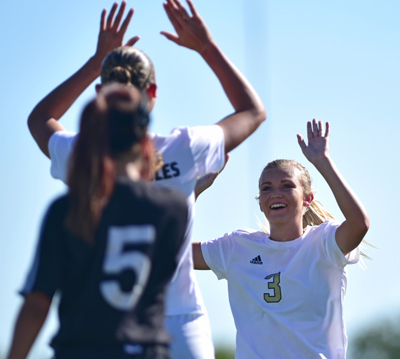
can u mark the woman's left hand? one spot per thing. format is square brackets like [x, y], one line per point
[318, 141]
[191, 31]
[352, 231]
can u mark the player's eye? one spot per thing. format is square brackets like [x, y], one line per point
[266, 188]
[287, 185]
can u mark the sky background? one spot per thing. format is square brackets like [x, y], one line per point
[336, 61]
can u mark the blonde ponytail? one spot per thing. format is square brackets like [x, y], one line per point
[316, 214]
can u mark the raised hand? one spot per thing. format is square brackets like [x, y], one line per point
[318, 141]
[191, 31]
[111, 33]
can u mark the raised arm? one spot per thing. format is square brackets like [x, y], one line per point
[30, 320]
[352, 231]
[206, 181]
[192, 32]
[43, 120]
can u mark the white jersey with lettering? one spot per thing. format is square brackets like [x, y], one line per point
[286, 297]
[188, 154]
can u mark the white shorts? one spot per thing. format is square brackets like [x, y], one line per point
[191, 336]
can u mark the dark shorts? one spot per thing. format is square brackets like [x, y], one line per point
[127, 351]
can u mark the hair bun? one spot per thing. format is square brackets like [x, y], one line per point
[120, 74]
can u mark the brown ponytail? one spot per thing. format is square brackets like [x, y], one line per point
[86, 169]
[112, 126]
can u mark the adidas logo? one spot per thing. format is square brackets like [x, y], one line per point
[256, 260]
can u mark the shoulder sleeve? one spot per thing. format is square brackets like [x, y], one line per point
[61, 144]
[217, 253]
[332, 250]
[207, 146]
[46, 270]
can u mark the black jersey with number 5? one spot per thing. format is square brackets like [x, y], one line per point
[112, 291]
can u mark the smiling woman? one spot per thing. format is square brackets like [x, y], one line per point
[293, 179]
[286, 288]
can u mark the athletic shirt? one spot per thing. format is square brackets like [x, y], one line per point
[112, 291]
[286, 297]
[188, 154]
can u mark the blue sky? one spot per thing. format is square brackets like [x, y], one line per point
[337, 61]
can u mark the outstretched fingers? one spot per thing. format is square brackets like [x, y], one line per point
[310, 133]
[193, 9]
[171, 13]
[126, 22]
[179, 12]
[319, 128]
[184, 14]
[118, 19]
[114, 24]
[112, 30]
[103, 20]
[327, 130]
[110, 18]
[301, 142]
[315, 128]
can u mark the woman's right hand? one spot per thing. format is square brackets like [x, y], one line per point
[111, 33]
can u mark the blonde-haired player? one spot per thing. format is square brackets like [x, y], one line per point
[287, 287]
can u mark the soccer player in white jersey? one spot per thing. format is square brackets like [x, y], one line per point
[188, 153]
[287, 287]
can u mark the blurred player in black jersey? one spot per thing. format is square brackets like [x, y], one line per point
[109, 246]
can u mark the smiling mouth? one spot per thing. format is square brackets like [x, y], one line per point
[277, 206]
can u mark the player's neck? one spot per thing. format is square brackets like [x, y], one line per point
[284, 233]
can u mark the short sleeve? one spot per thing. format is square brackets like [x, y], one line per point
[333, 252]
[61, 144]
[207, 144]
[47, 267]
[216, 254]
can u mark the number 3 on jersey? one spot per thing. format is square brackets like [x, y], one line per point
[277, 296]
[116, 260]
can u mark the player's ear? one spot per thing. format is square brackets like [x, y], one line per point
[97, 88]
[308, 200]
[152, 91]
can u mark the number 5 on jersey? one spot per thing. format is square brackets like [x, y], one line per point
[274, 285]
[116, 260]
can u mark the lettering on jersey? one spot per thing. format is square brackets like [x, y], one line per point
[274, 285]
[169, 170]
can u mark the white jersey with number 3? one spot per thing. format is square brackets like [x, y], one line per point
[286, 297]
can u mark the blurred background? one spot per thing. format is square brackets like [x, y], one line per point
[336, 61]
